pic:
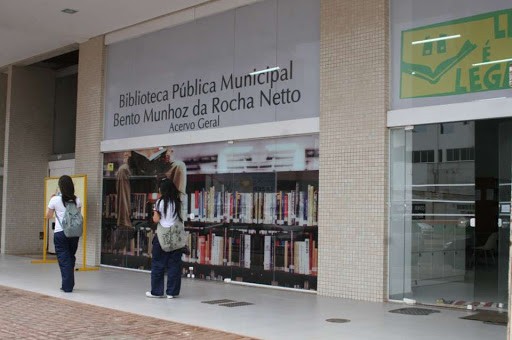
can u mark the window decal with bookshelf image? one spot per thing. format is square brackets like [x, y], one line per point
[254, 206]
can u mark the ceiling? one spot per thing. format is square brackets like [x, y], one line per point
[33, 27]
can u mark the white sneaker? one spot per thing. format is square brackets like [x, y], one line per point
[170, 297]
[148, 294]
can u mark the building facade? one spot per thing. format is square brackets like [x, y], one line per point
[374, 164]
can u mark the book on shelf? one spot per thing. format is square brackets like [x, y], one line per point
[229, 258]
[237, 246]
[138, 205]
[301, 211]
[110, 206]
[296, 258]
[279, 208]
[201, 249]
[247, 251]
[211, 205]
[207, 249]
[225, 248]
[217, 251]
[305, 257]
[267, 253]
[314, 259]
[287, 267]
[236, 201]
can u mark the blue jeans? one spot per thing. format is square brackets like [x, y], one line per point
[159, 263]
[65, 248]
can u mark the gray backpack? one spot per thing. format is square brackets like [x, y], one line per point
[73, 221]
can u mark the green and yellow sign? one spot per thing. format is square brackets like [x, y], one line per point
[461, 56]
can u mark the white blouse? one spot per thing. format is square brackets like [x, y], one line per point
[166, 220]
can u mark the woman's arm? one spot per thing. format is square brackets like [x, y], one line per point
[49, 213]
[156, 216]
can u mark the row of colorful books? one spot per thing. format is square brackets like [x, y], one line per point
[282, 207]
[217, 206]
[249, 251]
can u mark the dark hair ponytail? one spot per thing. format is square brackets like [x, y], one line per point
[67, 189]
[169, 194]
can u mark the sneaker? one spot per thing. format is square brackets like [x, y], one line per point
[148, 294]
[170, 297]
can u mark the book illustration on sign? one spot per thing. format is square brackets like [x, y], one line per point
[148, 162]
[433, 76]
[150, 154]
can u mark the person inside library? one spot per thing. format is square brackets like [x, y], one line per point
[167, 214]
[175, 170]
[123, 192]
[124, 229]
[65, 247]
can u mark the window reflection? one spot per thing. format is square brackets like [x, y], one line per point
[434, 165]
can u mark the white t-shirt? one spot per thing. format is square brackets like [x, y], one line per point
[168, 219]
[57, 205]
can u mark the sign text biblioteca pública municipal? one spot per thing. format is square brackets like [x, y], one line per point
[200, 107]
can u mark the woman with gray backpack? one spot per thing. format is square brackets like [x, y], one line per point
[168, 244]
[68, 229]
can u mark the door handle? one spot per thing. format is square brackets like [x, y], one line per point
[472, 222]
[500, 223]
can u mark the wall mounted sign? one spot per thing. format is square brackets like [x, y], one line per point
[256, 64]
[456, 57]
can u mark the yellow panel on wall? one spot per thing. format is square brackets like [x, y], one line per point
[456, 57]
[52, 188]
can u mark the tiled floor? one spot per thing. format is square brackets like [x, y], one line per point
[28, 315]
[273, 314]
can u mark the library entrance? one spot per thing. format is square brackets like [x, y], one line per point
[450, 207]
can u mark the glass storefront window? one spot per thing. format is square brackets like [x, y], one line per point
[255, 207]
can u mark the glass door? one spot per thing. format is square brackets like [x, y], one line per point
[505, 188]
[450, 213]
[432, 213]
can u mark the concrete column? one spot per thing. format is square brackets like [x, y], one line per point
[3, 106]
[354, 149]
[28, 145]
[89, 132]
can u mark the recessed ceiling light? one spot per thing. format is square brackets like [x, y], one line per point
[69, 11]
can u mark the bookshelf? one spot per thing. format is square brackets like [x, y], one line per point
[255, 218]
[128, 246]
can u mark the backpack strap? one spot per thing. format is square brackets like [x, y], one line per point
[57, 216]
[58, 219]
